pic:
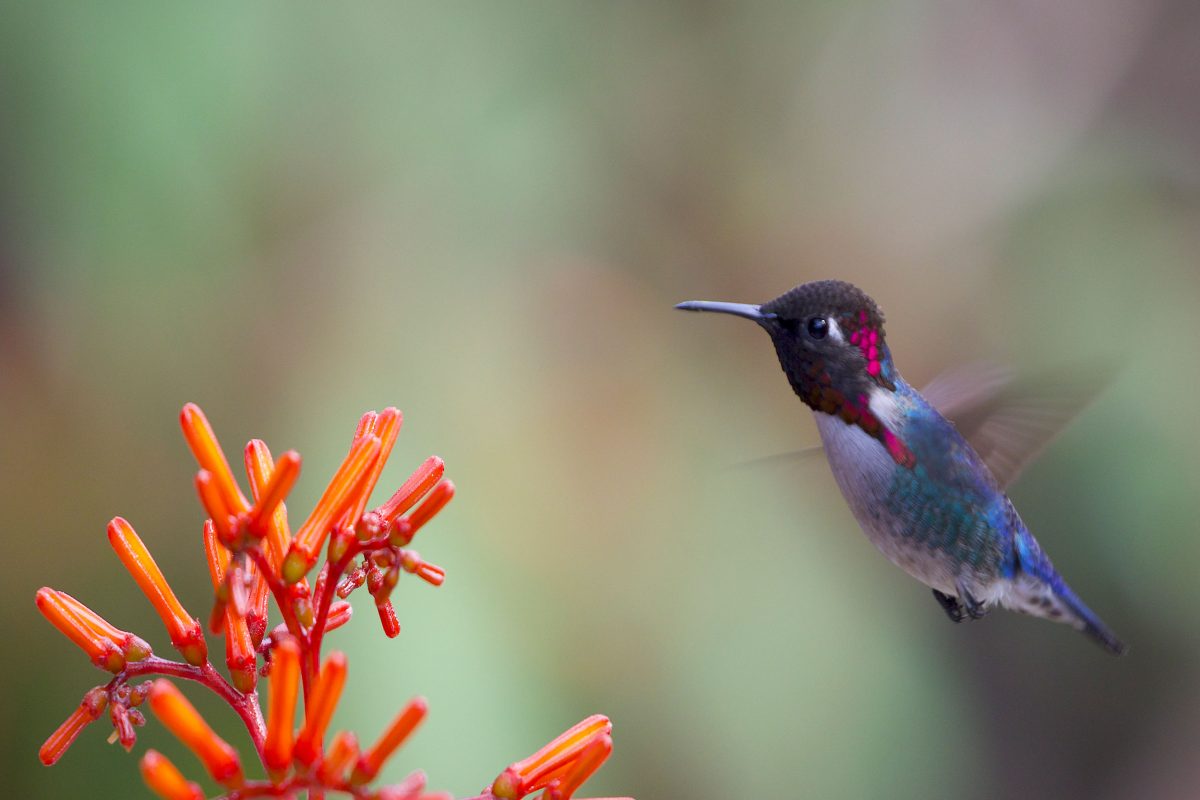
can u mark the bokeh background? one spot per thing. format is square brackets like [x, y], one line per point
[482, 213]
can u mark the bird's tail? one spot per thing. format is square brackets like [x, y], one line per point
[1042, 592]
[1052, 599]
[1084, 619]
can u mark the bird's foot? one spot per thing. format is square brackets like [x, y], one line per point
[950, 605]
[965, 606]
[974, 608]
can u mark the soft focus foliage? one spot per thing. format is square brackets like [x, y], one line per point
[483, 213]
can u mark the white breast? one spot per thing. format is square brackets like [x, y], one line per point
[861, 466]
[864, 472]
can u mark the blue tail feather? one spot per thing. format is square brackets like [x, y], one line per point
[1086, 620]
[1050, 597]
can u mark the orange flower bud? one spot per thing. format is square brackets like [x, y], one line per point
[256, 615]
[402, 534]
[435, 502]
[408, 789]
[413, 489]
[411, 561]
[284, 680]
[319, 708]
[539, 769]
[184, 631]
[339, 614]
[107, 647]
[217, 557]
[338, 759]
[340, 495]
[387, 427]
[402, 726]
[431, 573]
[270, 497]
[366, 425]
[260, 466]
[203, 443]
[89, 710]
[181, 718]
[240, 655]
[165, 780]
[387, 618]
[595, 754]
[214, 504]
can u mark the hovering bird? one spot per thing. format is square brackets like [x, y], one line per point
[925, 497]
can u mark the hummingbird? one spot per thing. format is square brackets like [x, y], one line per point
[921, 492]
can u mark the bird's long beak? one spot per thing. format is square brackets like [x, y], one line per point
[746, 310]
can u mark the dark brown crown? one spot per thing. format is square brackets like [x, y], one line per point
[835, 298]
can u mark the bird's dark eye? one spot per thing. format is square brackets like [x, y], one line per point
[818, 327]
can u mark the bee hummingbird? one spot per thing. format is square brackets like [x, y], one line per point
[923, 495]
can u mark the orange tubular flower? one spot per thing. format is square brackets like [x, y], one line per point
[409, 789]
[341, 494]
[89, 710]
[284, 680]
[385, 425]
[553, 761]
[319, 708]
[406, 529]
[217, 558]
[165, 780]
[185, 632]
[182, 719]
[107, 647]
[271, 496]
[387, 618]
[595, 754]
[256, 615]
[210, 497]
[339, 614]
[413, 489]
[341, 755]
[252, 558]
[240, 656]
[204, 446]
[402, 726]
[260, 466]
[442, 494]
[411, 562]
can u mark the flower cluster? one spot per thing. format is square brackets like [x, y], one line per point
[253, 556]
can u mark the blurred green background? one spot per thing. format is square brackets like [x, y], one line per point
[482, 213]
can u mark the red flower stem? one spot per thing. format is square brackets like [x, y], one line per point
[328, 592]
[283, 600]
[289, 787]
[244, 705]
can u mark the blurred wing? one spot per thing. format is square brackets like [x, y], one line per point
[1010, 423]
[781, 459]
[960, 391]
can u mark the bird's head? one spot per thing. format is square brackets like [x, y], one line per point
[829, 339]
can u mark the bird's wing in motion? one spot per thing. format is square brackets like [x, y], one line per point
[1010, 422]
[781, 459]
